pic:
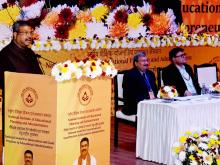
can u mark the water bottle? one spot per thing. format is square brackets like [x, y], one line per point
[204, 89]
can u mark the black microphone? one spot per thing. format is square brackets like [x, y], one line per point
[39, 56]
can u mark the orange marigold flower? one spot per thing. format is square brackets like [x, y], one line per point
[84, 16]
[51, 18]
[118, 29]
[159, 24]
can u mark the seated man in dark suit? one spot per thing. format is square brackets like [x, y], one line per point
[180, 74]
[139, 83]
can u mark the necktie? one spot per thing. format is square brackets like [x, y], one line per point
[147, 82]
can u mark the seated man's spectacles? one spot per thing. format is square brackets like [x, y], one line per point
[181, 55]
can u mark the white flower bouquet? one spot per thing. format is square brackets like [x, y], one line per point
[198, 148]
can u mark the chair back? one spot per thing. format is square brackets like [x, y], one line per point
[206, 73]
[159, 77]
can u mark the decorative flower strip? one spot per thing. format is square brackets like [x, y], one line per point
[92, 68]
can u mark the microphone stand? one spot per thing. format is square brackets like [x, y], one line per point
[39, 56]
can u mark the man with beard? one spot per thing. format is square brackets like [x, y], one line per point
[85, 158]
[28, 157]
[139, 83]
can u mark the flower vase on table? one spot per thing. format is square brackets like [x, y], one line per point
[215, 89]
[167, 93]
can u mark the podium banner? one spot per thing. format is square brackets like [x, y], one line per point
[56, 123]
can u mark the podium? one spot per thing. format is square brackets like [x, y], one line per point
[50, 119]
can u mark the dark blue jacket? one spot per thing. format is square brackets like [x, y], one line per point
[135, 89]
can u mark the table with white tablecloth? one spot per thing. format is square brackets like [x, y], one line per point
[160, 124]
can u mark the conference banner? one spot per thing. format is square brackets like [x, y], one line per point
[201, 14]
[55, 123]
[123, 58]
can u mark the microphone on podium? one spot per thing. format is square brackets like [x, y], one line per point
[40, 64]
[39, 56]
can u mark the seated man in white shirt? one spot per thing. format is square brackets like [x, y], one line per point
[85, 158]
[180, 74]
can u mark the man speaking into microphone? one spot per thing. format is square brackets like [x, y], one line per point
[17, 56]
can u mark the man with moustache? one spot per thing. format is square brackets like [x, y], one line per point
[85, 158]
[28, 157]
[17, 56]
[139, 83]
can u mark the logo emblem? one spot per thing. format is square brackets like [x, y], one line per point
[29, 96]
[85, 94]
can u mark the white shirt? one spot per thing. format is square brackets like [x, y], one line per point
[93, 161]
[187, 79]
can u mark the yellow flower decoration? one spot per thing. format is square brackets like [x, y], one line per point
[212, 142]
[199, 151]
[79, 30]
[218, 161]
[195, 135]
[188, 133]
[182, 139]
[37, 44]
[134, 20]
[191, 157]
[204, 132]
[9, 15]
[99, 12]
[184, 30]
[209, 145]
[64, 70]
[176, 150]
[217, 133]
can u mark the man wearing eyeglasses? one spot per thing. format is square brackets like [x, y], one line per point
[180, 74]
[139, 83]
[17, 56]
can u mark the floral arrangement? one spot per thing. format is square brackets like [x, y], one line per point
[167, 92]
[65, 27]
[215, 87]
[198, 148]
[89, 67]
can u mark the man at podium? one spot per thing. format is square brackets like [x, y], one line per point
[17, 56]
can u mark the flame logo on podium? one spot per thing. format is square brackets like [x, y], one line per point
[29, 96]
[85, 94]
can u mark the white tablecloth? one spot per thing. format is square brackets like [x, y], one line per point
[159, 125]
